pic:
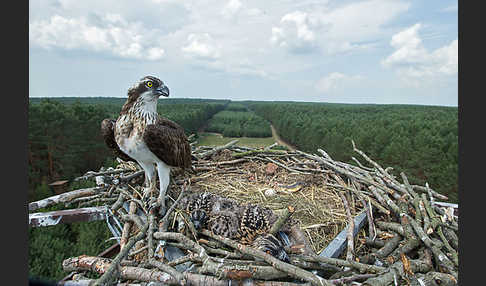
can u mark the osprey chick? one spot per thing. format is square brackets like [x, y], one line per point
[155, 142]
[247, 223]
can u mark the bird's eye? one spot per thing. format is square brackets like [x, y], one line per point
[149, 84]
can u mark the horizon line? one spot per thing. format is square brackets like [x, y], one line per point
[238, 100]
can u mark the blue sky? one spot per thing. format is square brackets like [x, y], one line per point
[370, 51]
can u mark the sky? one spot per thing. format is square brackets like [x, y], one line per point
[368, 51]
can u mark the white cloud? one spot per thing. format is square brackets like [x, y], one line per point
[231, 8]
[201, 46]
[156, 53]
[254, 12]
[362, 20]
[336, 30]
[296, 32]
[163, 1]
[414, 63]
[114, 35]
[335, 80]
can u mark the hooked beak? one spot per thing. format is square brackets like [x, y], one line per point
[163, 90]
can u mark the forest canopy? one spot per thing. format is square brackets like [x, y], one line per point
[421, 141]
[64, 139]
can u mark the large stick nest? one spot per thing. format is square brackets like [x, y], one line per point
[406, 226]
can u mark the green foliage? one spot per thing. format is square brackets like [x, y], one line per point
[81, 184]
[190, 116]
[239, 124]
[233, 106]
[64, 140]
[42, 191]
[49, 246]
[92, 237]
[418, 140]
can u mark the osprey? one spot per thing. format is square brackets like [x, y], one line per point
[249, 223]
[154, 142]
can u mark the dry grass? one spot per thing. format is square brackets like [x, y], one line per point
[318, 208]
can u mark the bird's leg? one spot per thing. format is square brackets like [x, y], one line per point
[150, 179]
[164, 178]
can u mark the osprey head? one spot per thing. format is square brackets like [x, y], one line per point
[150, 87]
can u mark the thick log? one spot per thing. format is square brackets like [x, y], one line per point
[89, 282]
[101, 265]
[63, 198]
[67, 216]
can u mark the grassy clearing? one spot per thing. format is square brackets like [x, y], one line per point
[239, 123]
[213, 139]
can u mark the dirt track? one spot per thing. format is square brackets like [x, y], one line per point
[279, 140]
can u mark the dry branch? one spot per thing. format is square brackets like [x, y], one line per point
[349, 236]
[127, 226]
[64, 198]
[101, 265]
[67, 216]
[217, 149]
[281, 220]
[362, 267]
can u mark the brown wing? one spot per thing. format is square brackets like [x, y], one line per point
[167, 140]
[107, 131]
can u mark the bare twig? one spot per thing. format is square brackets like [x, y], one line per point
[350, 237]
[215, 150]
[281, 220]
[127, 226]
